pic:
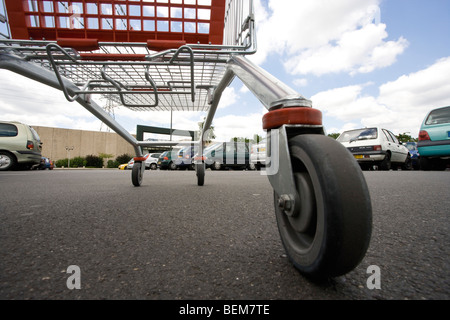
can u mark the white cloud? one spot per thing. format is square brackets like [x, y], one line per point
[231, 126]
[228, 98]
[325, 36]
[25, 100]
[300, 82]
[346, 103]
[419, 91]
[400, 106]
[358, 51]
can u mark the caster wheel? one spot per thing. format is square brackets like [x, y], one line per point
[137, 174]
[200, 171]
[329, 231]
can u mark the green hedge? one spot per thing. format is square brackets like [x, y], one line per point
[92, 161]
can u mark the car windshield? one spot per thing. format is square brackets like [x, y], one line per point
[411, 146]
[213, 146]
[439, 116]
[360, 134]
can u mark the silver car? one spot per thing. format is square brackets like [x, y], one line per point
[20, 146]
[376, 147]
[150, 161]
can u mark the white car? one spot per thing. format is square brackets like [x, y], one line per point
[376, 147]
[151, 160]
[258, 154]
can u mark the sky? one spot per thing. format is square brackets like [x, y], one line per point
[362, 63]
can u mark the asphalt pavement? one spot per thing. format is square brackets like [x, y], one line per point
[172, 240]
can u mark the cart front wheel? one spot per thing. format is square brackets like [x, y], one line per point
[329, 231]
[200, 171]
[137, 174]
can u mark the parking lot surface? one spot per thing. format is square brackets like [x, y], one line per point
[170, 239]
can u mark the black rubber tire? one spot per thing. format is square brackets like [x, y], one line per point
[337, 234]
[10, 161]
[216, 166]
[137, 174]
[172, 166]
[386, 164]
[408, 163]
[200, 172]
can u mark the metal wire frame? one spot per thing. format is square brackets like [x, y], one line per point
[141, 79]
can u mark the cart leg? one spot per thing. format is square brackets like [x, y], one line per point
[322, 203]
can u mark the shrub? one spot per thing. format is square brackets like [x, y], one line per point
[124, 158]
[61, 163]
[94, 161]
[77, 162]
[113, 164]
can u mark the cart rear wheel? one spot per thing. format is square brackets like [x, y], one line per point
[329, 233]
[137, 174]
[200, 170]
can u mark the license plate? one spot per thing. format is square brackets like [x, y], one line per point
[358, 156]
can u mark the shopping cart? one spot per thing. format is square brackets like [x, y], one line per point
[181, 55]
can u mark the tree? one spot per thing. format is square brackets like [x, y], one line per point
[404, 137]
[209, 134]
[334, 135]
[240, 139]
[256, 139]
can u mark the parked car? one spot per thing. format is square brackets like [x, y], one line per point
[226, 155]
[185, 156]
[376, 147]
[151, 161]
[167, 160]
[45, 163]
[20, 146]
[434, 140]
[123, 166]
[414, 153]
[258, 154]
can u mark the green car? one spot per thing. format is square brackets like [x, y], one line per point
[168, 160]
[434, 140]
[228, 155]
[20, 146]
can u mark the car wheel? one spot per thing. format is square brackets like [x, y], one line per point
[7, 161]
[425, 164]
[172, 166]
[386, 163]
[216, 165]
[408, 163]
[251, 166]
[153, 166]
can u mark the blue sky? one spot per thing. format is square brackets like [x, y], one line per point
[362, 63]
